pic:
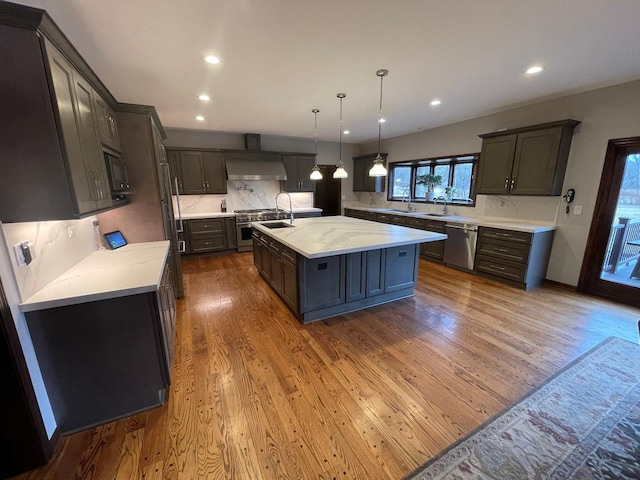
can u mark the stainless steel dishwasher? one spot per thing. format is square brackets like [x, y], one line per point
[460, 246]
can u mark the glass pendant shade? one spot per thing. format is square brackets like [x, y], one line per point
[340, 172]
[316, 174]
[378, 169]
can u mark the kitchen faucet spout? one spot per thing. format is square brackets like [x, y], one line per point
[290, 206]
[444, 203]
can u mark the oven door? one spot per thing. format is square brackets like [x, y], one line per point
[245, 243]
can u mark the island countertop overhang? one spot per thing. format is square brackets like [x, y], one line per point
[330, 236]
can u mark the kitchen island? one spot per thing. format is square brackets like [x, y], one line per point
[324, 267]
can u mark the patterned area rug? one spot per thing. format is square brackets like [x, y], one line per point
[584, 423]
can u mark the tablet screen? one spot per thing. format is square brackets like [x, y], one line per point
[115, 239]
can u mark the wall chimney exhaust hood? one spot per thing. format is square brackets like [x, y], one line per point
[242, 166]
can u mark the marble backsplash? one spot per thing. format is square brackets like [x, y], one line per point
[55, 251]
[523, 208]
[243, 196]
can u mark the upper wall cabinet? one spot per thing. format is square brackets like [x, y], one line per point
[53, 166]
[198, 172]
[298, 168]
[525, 161]
[107, 126]
[362, 182]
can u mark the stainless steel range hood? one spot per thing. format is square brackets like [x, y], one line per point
[255, 166]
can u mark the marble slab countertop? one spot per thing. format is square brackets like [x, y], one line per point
[504, 223]
[196, 215]
[329, 236]
[129, 270]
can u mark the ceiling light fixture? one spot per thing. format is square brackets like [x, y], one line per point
[435, 103]
[212, 59]
[340, 171]
[346, 132]
[378, 169]
[204, 97]
[534, 69]
[200, 118]
[316, 174]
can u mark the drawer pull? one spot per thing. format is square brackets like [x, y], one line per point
[503, 250]
[497, 267]
[502, 234]
[403, 253]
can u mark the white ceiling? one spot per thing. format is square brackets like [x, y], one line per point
[281, 58]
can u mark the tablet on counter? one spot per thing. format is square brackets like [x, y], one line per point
[115, 239]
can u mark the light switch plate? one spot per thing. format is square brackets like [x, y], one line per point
[577, 210]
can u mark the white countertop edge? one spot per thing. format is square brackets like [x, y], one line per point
[505, 223]
[75, 300]
[420, 236]
[78, 284]
[344, 251]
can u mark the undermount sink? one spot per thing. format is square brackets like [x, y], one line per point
[277, 225]
[435, 214]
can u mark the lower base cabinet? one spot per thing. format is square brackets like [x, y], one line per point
[107, 359]
[319, 288]
[210, 235]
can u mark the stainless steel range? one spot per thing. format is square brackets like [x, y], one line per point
[244, 219]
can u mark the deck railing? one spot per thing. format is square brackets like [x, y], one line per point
[618, 250]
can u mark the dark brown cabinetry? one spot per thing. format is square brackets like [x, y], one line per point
[525, 161]
[117, 364]
[298, 168]
[517, 258]
[201, 172]
[362, 181]
[107, 124]
[429, 250]
[208, 235]
[49, 128]
[391, 219]
[361, 214]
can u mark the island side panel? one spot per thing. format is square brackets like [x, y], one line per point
[401, 267]
[322, 282]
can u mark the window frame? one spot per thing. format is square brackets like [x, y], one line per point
[431, 163]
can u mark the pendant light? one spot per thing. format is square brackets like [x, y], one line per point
[316, 174]
[340, 171]
[378, 169]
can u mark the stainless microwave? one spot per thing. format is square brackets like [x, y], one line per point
[117, 172]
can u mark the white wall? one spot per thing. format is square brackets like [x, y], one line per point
[607, 113]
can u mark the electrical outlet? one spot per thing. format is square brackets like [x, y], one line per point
[24, 252]
[577, 210]
[71, 231]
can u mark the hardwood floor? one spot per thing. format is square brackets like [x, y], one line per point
[368, 395]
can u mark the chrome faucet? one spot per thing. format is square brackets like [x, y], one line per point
[444, 203]
[290, 206]
[406, 197]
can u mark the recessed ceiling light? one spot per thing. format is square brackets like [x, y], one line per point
[346, 132]
[204, 97]
[200, 118]
[435, 102]
[532, 70]
[382, 120]
[212, 59]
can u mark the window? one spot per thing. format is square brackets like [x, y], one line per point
[457, 173]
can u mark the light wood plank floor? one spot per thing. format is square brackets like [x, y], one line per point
[368, 395]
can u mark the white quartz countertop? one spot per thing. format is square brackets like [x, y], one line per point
[329, 236]
[196, 215]
[129, 270]
[504, 223]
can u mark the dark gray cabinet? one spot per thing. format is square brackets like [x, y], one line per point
[208, 235]
[175, 173]
[525, 161]
[202, 172]
[517, 258]
[107, 123]
[429, 250]
[362, 181]
[361, 214]
[298, 168]
[49, 129]
[117, 364]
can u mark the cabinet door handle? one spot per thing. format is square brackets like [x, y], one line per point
[506, 184]
[513, 182]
